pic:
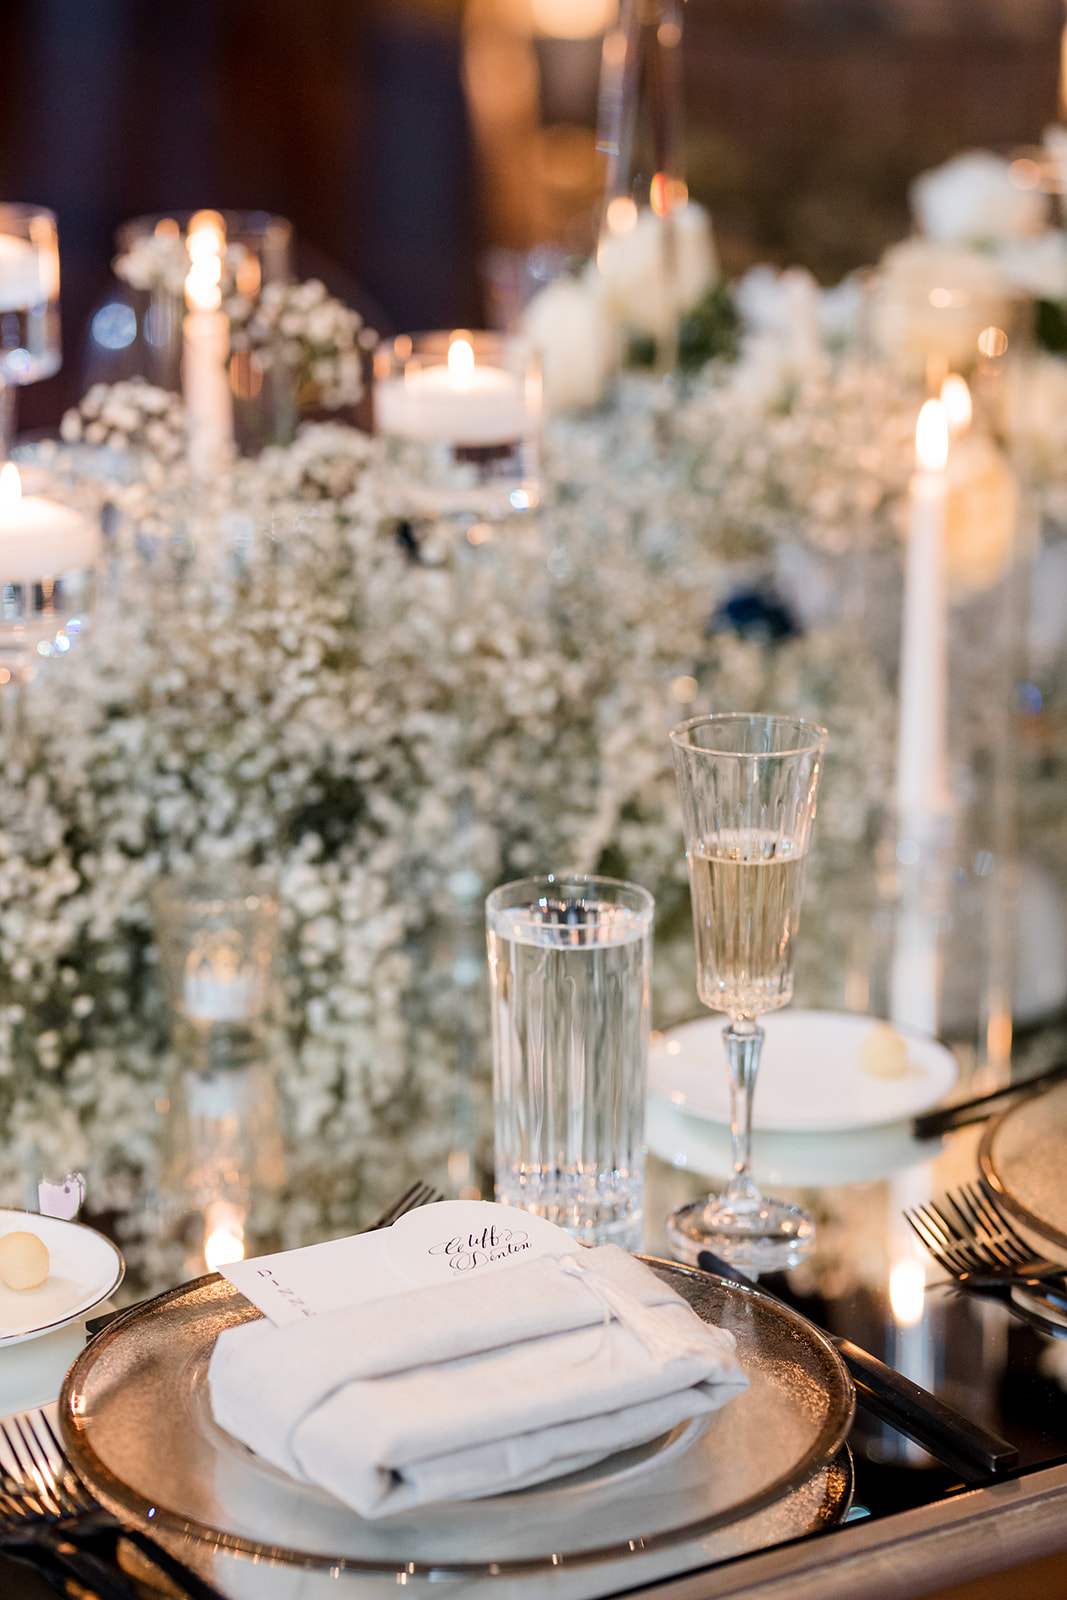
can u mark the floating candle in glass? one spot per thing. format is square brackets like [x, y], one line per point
[461, 413]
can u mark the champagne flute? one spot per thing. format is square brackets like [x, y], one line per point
[747, 785]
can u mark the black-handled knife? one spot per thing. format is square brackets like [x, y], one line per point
[961, 1444]
[932, 1124]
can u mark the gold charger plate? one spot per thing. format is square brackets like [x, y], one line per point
[1022, 1156]
[137, 1423]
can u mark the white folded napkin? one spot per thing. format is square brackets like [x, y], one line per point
[473, 1387]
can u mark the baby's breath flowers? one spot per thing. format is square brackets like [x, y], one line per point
[313, 336]
[275, 678]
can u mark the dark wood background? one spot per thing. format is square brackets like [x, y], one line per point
[806, 119]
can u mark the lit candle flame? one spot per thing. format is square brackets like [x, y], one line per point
[907, 1292]
[931, 438]
[621, 214]
[207, 235]
[10, 489]
[224, 1234]
[573, 19]
[222, 1246]
[202, 289]
[460, 362]
[205, 244]
[665, 193]
[956, 399]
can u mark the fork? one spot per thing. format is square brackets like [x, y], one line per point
[54, 1498]
[420, 1194]
[975, 1243]
[28, 1534]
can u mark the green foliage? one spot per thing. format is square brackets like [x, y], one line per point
[1050, 326]
[710, 331]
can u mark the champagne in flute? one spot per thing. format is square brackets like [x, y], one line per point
[747, 784]
[747, 888]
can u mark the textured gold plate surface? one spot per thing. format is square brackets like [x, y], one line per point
[136, 1419]
[1022, 1157]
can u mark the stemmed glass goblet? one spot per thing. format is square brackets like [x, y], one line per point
[748, 786]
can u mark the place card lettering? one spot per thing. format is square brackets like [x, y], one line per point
[467, 1251]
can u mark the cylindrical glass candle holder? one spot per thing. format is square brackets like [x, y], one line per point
[460, 414]
[48, 559]
[216, 933]
[29, 294]
[153, 260]
[29, 305]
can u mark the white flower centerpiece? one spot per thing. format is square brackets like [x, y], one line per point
[275, 679]
[298, 692]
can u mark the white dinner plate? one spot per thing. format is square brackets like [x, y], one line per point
[84, 1269]
[810, 1078]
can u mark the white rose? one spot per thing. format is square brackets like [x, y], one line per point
[785, 305]
[1036, 409]
[697, 263]
[841, 312]
[569, 323]
[935, 299]
[1038, 266]
[633, 266]
[780, 312]
[973, 199]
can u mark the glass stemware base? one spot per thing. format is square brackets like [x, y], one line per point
[754, 1234]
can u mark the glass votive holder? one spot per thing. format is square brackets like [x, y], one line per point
[216, 932]
[49, 554]
[460, 414]
[223, 1161]
[144, 338]
[29, 294]
[29, 306]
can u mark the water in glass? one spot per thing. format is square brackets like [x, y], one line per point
[570, 980]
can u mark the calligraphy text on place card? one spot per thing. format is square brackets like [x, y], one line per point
[470, 1250]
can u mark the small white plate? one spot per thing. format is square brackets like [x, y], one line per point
[810, 1077]
[85, 1269]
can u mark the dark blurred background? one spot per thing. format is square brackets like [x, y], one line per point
[405, 137]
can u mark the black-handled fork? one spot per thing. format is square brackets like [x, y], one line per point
[28, 1536]
[57, 1507]
[972, 1240]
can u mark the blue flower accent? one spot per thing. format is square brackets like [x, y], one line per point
[755, 614]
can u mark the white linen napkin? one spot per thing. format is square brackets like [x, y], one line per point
[474, 1387]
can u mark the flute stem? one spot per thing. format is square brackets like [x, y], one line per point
[744, 1044]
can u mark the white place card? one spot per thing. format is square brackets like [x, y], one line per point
[448, 1241]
